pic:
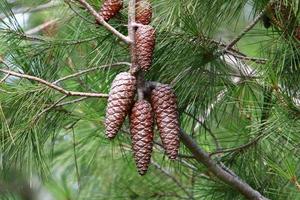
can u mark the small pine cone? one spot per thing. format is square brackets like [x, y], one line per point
[141, 128]
[164, 105]
[145, 42]
[110, 8]
[143, 10]
[120, 100]
[281, 15]
[297, 33]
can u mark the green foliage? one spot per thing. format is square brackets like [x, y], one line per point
[255, 120]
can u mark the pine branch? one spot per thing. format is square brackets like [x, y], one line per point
[104, 23]
[244, 32]
[53, 86]
[219, 171]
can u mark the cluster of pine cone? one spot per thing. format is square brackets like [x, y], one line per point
[161, 103]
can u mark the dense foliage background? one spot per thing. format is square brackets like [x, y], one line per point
[240, 104]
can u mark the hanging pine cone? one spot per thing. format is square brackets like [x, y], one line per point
[141, 128]
[110, 8]
[119, 102]
[165, 108]
[281, 15]
[143, 11]
[297, 32]
[145, 42]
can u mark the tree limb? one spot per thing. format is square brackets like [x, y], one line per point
[228, 178]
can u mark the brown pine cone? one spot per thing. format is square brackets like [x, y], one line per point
[164, 104]
[119, 102]
[297, 33]
[145, 42]
[281, 15]
[143, 11]
[141, 128]
[110, 8]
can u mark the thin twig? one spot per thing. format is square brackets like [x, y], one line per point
[247, 58]
[247, 29]
[71, 102]
[168, 174]
[232, 51]
[4, 78]
[53, 86]
[216, 141]
[50, 107]
[239, 148]
[103, 22]
[90, 70]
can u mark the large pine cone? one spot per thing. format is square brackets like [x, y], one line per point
[120, 100]
[143, 11]
[145, 42]
[165, 108]
[141, 129]
[110, 8]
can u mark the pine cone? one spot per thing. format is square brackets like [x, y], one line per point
[141, 129]
[145, 42]
[119, 102]
[110, 8]
[143, 11]
[165, 108]
[281, 15]
[297, 33]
